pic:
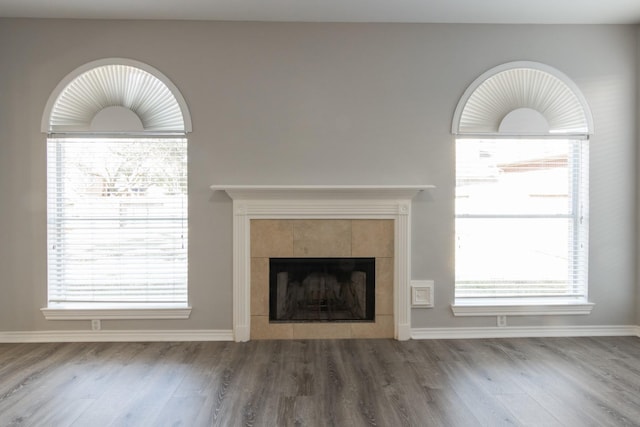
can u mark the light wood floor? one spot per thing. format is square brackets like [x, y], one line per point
[534, 382]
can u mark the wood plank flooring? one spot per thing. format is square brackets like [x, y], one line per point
[495, 382]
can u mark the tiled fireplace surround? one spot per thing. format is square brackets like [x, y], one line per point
[324, 238]
[300, 219]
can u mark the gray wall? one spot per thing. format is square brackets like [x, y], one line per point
[638, 182]
[277, 103]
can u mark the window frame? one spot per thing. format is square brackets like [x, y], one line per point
[486, 102]
[153, 101]
[578, 216]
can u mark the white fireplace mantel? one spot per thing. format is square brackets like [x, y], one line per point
[306, 192]
[320, 202]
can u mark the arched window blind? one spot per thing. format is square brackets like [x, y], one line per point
[521, 188]
[117, 189]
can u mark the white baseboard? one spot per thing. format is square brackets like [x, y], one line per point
[523, 332]
[116, 336]
[227, 335]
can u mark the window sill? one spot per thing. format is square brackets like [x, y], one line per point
[494, 308]
[104, 313]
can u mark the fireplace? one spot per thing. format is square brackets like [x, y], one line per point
[322, 289]
[326, 255]
[279, 221]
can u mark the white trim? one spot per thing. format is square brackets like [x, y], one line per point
[522, 310]
[227, 335]
[524, 332]
[116, 314]
[116, 336]
[320, 202]
[317, 192]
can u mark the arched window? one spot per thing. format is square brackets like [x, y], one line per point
[522, 132]
[116, 192]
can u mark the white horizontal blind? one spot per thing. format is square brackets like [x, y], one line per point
[117, 221]
[521, 218]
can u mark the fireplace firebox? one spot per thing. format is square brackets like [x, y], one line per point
[321, 289]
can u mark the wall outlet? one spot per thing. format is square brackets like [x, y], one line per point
[422, 293]
[502, 321]
[95, 325]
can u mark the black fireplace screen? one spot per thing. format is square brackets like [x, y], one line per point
[322, 289]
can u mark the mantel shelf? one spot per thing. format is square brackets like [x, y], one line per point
[321, 192]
